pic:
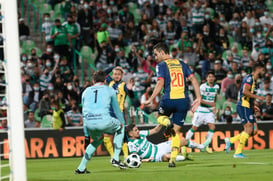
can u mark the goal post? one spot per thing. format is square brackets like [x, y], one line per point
[14, 90]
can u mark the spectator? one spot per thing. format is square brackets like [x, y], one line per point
[45, 111]
[266, 19]
[267, 108]
[233, 89]
[74, 117]
[48, 55]
[72, 30]
[154, 104]
[58, 121]
[34, 96]
[219, 72]
[61, 39]
[102, 36]
[31, 122]
[4, 124]
[198, 15]
[23, 30]
[226, 116]
[265, 88]
[104, 59]
[227, 81]
[46, 30]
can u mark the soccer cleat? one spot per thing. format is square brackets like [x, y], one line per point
[228, 144]
[171, 165]
[116, 163]
[189, 157]
[240, 155]
[82, 172]
[208, 150]
[169, 131]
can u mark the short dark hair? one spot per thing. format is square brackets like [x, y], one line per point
[210, 72]
[258, 64]
[161, 47]
[99, 76]
[129, 128]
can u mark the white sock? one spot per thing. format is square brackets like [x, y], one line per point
[180, 158]
[189, 135]
[209, 137]
[192, 144]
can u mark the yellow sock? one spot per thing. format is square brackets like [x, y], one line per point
[175, 147]
[243, 138]
[163, 120]
[235, 138]
[108, 145]
[125, 150]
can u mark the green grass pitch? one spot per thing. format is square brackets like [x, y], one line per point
[205, 167]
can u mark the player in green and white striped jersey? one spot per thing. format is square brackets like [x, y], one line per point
[204, 113]
[148, 151]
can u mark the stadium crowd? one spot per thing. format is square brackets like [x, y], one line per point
[220, 35]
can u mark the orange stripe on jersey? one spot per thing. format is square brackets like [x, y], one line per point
[177, 84]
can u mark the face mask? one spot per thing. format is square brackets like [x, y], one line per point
[46, 73]
[257, 49]
[24, 58]
[36, 88]
[265, 29]
[49, 50]
[243, 74]
[29, 65]
[221, 35]
[207, 16]
[48, 64]
[112, 2]
[86, 6]
[109, 11]
[257, 24]
[74, 108]
[227, 112]
[230, 76]
[69, 87]
[104, 6]
[160, 4]
[260, 76]
[56, 57]
[259, 35]
[268, 67]
[222, 19]
[50, 88]
[251, 30]
[238, 81]
[137, 83]
[116, 49]
[266, 13]
[47, 19]
[206, 33]
[140, 70]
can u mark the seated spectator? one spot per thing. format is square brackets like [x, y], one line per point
[4, 124]
[74, 117]
[227, 81]
[154, 104]
[265, 88]
[267, 108]
[226, 116]
[233, 89]
[31, 122]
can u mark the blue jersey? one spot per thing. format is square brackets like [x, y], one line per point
[174, 72]
[97, 100]
[245, 101]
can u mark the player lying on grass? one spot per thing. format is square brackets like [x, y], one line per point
[148, 151]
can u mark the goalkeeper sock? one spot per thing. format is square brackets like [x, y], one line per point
[243, 138]
[108, 145]
[175, 147]
[189, 134]
[235, 138]
[163, 120]
[125, 150]
[91, 148]
[118, 140]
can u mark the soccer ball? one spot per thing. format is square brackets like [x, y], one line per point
[133, 161]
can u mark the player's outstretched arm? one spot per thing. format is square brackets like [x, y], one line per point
[155, 129]
[157, 90]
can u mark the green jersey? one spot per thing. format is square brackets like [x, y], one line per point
[61, 38]
[144, 148]
[72, 30]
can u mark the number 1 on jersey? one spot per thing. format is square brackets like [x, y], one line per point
[96, 95]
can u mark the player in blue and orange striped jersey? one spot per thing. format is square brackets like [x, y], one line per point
[246, 109]
[172, 75]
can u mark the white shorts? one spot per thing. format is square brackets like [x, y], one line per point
[163, 148]
[202, 118]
